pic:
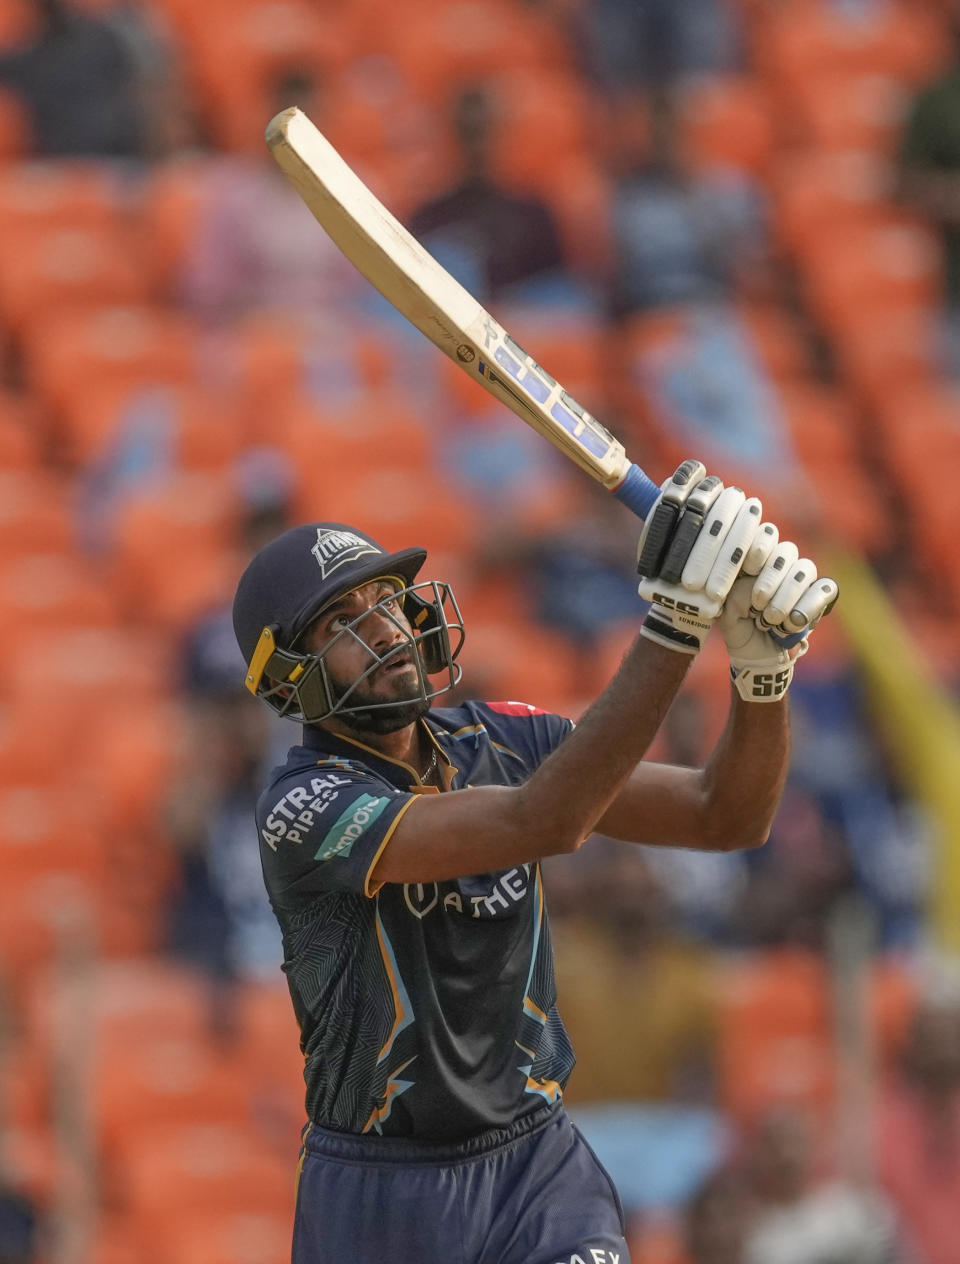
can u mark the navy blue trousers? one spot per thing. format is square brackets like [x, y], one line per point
[533, 1193]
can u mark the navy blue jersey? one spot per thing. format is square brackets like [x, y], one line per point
[426, 1010]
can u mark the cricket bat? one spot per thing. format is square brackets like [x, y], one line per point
[420, 289]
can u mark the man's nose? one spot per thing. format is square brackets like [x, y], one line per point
[379, 628]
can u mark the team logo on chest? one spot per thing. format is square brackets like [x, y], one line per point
[334, 548]
[477, 898]
[421, 897]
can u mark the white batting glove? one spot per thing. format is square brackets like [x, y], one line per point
[693, 545]
[761, 666]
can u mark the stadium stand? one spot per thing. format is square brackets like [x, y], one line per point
[124, 416]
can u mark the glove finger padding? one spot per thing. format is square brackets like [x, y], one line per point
[759, 553]
[736, 544]
[818, 600]
[662, 520]
[792, 587]
[771, 576]
[709, 542]
[689, 527]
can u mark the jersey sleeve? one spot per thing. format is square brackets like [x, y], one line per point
[323, 830]
[530, 732]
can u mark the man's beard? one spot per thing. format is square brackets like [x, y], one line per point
[385, 718]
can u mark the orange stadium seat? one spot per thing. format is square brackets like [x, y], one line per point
[823, 425]
[54, 589]
[34, 512]
[833, 110]
[542, 123]
[879, 350]
[167, 206]
[906, 41]
[45, 917]
[266, 1029]
[74, 670]
[205, 1169]
[198, 428]
[437, 50]
[125, 345]
[400, 506]
[273, 360]
[377, 434]
[143, 998]
[45, 270]
[887, 267]
[852, 509]
[21, 433]
[774, 1038]
[725, 120]
[118, 1239]
[816, 191]
[779, 340]
[919, 432]
[146, 1080]
[33, 1163]
[82, 193]
[238, 1236]
[45, 832]
[578, 192]
[171, 552]
[16, 131]
[520, 661]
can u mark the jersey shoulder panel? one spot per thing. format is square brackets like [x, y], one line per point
[519, 729]
[322, 823]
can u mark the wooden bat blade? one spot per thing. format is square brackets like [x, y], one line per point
[438, 305]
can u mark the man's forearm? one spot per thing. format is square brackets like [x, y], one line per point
[746, 772]
[585, 773]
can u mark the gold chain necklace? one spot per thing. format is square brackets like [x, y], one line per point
[432, 766]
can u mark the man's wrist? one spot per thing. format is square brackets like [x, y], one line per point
[677, 630]
[764, 682]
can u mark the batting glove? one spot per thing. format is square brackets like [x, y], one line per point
[693, 545]
[761, 666]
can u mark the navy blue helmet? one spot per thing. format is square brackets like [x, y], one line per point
[301, 572]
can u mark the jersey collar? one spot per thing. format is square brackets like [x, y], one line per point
[403, 775]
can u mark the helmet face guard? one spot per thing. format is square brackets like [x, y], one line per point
[300, 686]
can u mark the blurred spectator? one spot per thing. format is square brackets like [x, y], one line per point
[630, 44]
[500, 244]
[715, 1220]
[919, 1128]
[639, 1004]
[221, 918]
[256, 246]
[80, 82]
[637, 999]
[20, 1228]
[701, 890]
[929, 178]
[686, 243]
[170, 123]
[682, 235]
[867, 822]
[794, 882]
[578, 570]
[800, 1215]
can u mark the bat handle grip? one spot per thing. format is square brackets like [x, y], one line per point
[636, 491]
